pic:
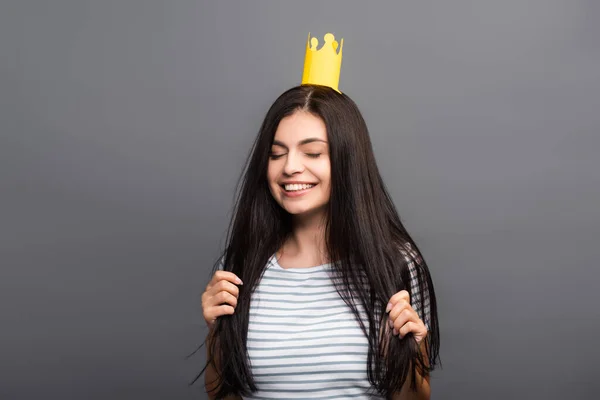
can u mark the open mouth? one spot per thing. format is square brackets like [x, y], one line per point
[297, 188]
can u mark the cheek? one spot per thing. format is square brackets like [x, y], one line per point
[271, 174]
[324, 172]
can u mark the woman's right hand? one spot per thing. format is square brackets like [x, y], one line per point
[220, 296]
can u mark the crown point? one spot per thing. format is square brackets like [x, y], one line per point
[314, 43]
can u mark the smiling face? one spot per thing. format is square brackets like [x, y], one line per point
[299, 171]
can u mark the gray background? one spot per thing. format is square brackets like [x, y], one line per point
[125, 124]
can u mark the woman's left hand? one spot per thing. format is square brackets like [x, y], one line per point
[403, 318]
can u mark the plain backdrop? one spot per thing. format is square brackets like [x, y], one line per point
[124, 126]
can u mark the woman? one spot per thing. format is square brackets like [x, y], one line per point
[321, 292]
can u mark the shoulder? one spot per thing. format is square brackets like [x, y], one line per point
[219, 265]
[410, 256]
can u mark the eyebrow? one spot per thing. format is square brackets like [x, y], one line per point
[302, 142]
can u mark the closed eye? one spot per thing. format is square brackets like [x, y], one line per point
[313, 155]
[275, 156]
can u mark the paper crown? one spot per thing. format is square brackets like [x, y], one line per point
[322, 67]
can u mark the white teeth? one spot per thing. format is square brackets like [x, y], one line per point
[293, 187]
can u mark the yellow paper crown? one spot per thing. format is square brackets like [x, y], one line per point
[322, 67]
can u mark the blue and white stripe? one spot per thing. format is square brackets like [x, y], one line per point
[304, 341]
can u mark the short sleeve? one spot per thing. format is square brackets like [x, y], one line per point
[423, 309]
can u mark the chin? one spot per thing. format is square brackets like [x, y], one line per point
[305, 211]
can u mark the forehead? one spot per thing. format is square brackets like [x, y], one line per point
[299, 126]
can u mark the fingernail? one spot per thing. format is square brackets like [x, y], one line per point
[396, 331]
[239, 281]
[390, 323]
[388, 308]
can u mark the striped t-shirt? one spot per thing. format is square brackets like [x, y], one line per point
[304, 341]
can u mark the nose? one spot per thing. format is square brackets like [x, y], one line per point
[293, 164]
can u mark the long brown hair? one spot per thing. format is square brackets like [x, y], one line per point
[364, 233]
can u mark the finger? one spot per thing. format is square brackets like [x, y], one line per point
[405, 316]
[414, 327]
[223, 298]
[215, 312]
[403, 294]
[397, 309]
[226, 275]
[224, 286]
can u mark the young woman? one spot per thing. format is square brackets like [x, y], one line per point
[320, 292]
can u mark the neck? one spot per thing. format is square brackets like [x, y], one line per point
[308, 239]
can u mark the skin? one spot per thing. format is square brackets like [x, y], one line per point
[403, 319]
[300, 153]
